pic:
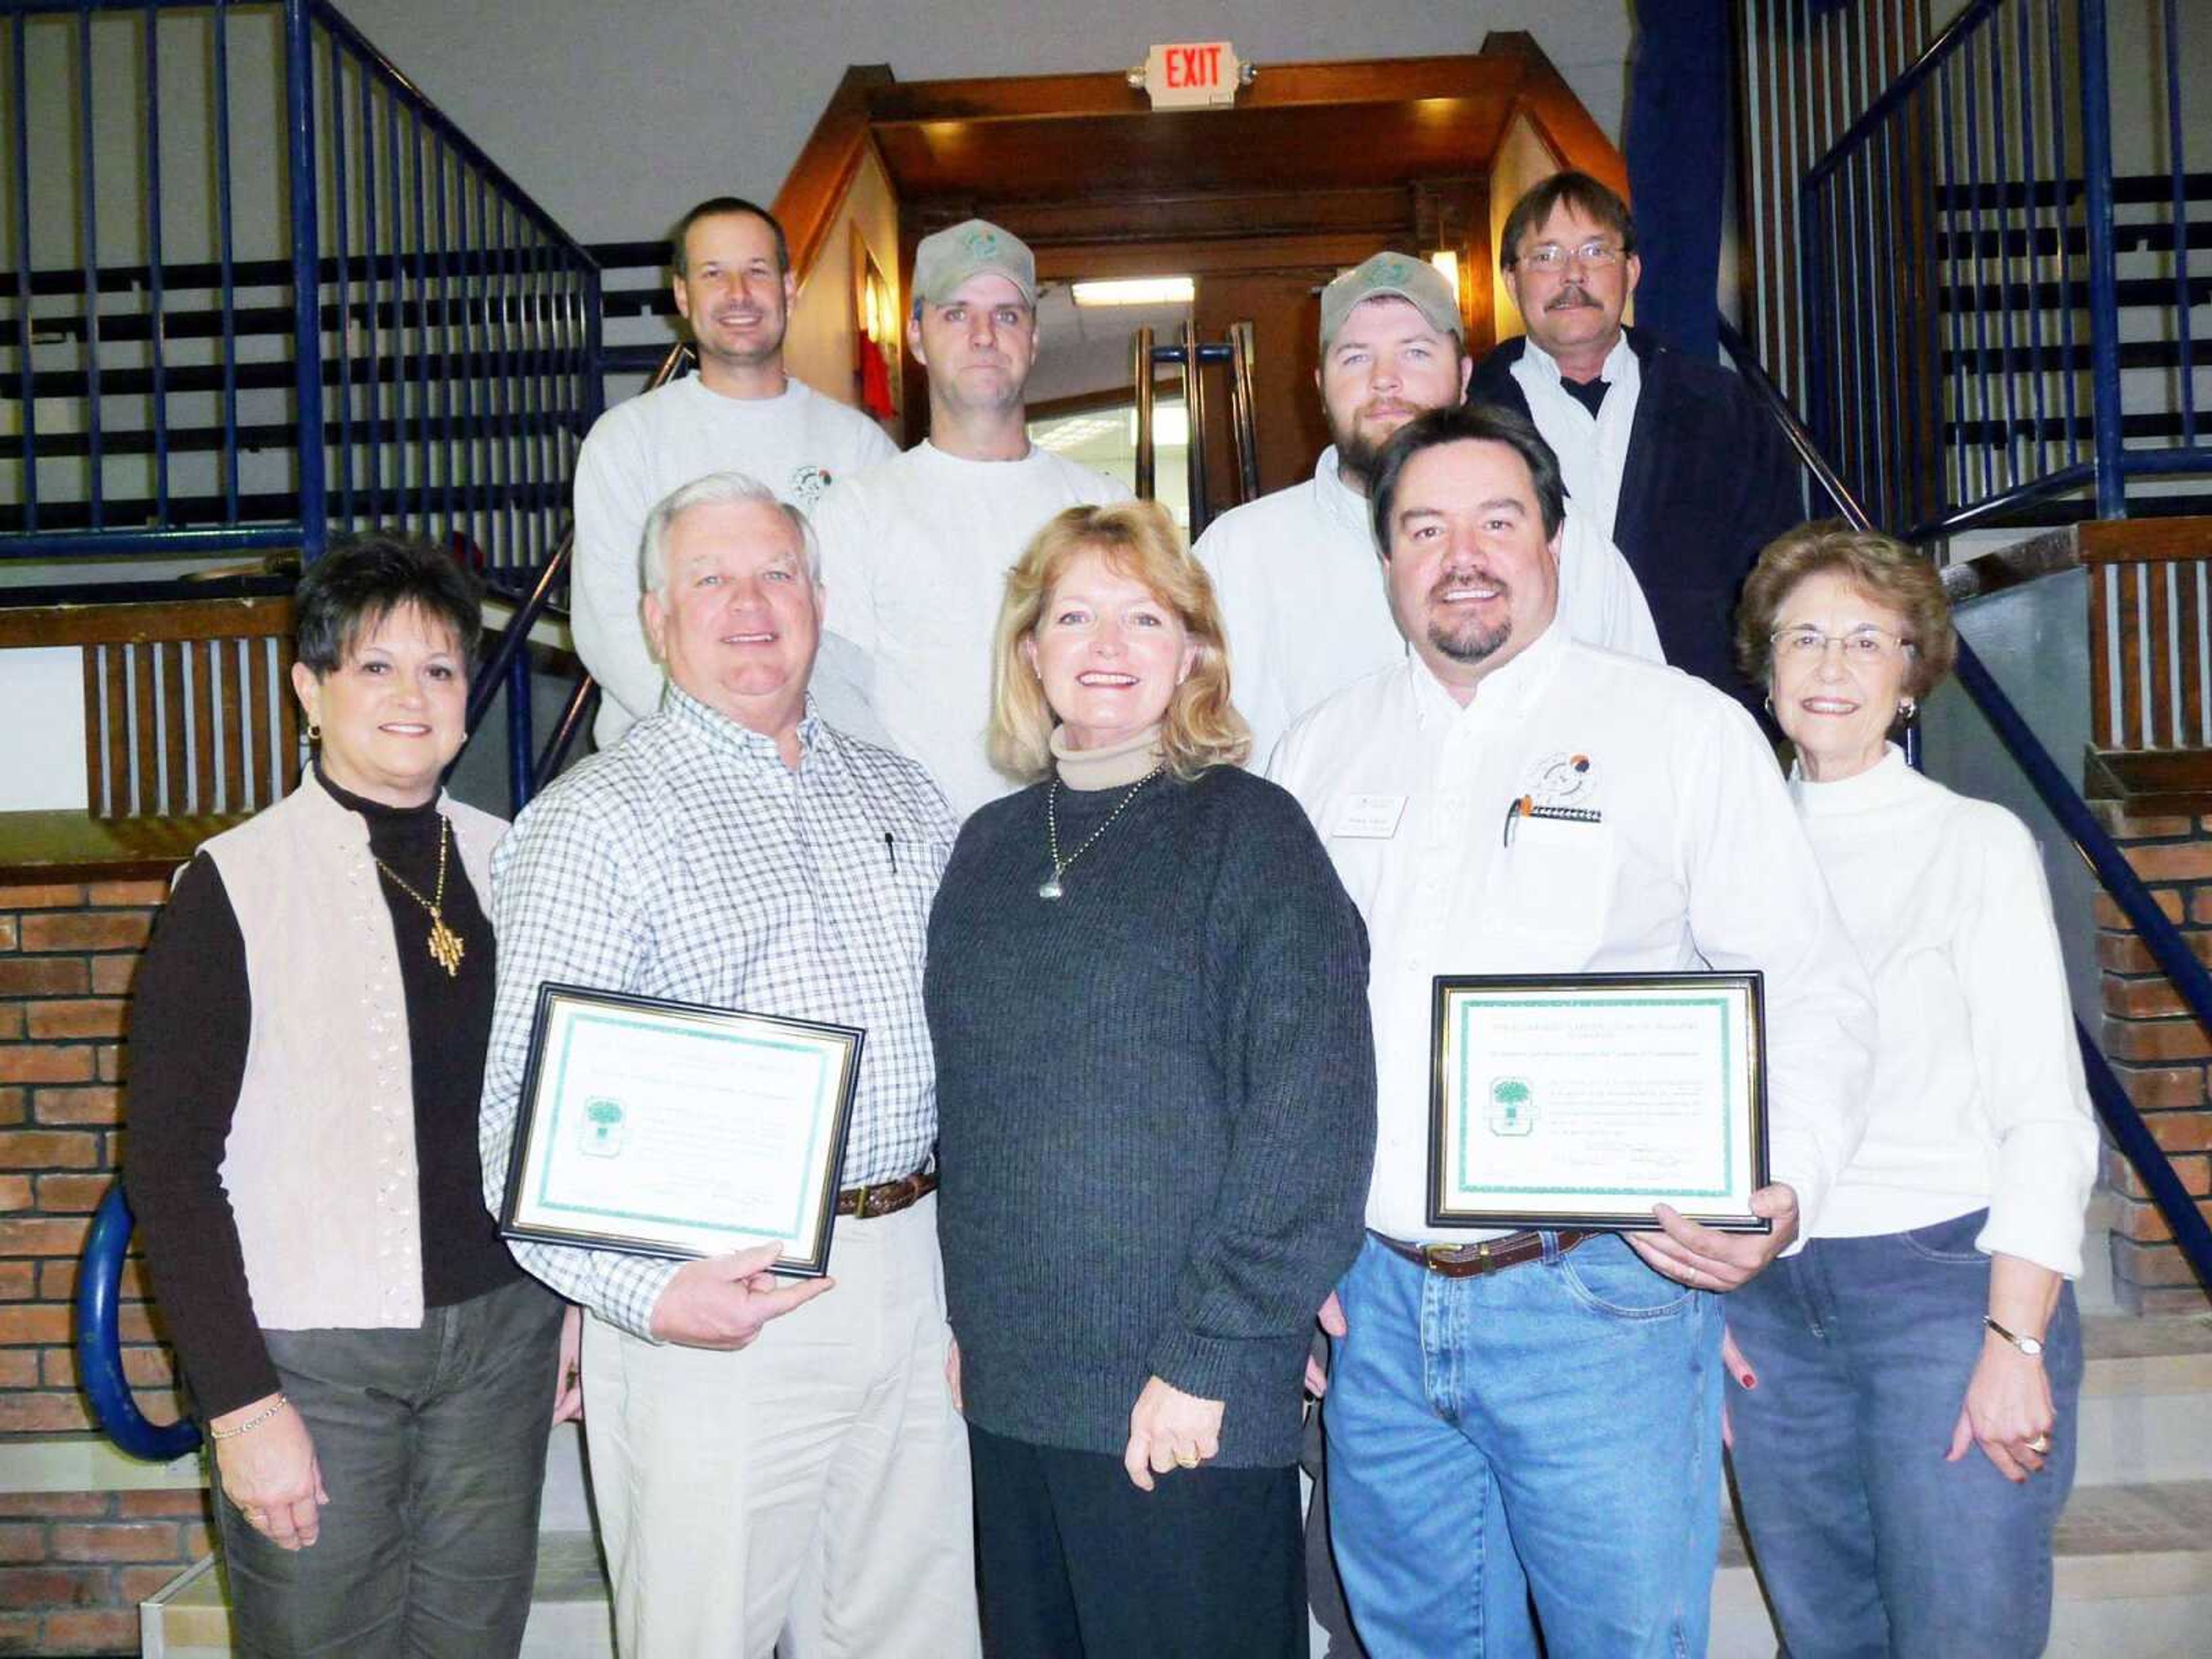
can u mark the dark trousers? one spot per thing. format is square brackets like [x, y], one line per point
[1075, 1563]
[431, 1443]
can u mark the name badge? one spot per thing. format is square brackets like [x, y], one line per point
[1369, 817]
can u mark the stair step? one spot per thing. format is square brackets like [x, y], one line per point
[189, 1618]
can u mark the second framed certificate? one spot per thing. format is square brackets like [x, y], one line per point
[667, 1129]
[1583, 1100]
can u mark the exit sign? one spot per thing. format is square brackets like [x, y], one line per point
[1192, 73]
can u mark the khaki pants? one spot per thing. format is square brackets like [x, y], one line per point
[812, 1488]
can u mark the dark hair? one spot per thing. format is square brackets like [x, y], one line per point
[1578, 191]
[1490, 423]
[713, 208]
[367, 577]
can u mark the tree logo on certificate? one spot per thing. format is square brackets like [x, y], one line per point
[601, 1134]
[1512, 1106]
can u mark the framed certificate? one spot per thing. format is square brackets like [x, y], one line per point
[666, 1129]
[1581, 1100]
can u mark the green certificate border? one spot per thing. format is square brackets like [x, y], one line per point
[1724, 1006]
[823, 1083]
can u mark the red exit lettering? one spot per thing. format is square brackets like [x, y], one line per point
[1193, 66]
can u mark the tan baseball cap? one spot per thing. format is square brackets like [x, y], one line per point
[1398, 276]
[949, 258]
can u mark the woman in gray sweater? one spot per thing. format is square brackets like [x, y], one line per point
[1155, 1087]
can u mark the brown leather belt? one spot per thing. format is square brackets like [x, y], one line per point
[1491, 1255]
[886, 1197]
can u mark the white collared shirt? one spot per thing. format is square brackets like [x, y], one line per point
[1308, 613]
[1593, 449]
[1697, 860]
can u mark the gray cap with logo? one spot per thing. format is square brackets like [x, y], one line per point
[1395, 275]
[947, 258]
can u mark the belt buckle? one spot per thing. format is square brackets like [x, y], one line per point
[1437, 1257]
[860, 1202]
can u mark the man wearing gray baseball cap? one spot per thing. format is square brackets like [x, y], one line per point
[915, 552]
[1298, 572]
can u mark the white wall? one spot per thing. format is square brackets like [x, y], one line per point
[617, 118]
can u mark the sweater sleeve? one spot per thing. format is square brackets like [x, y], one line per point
[841, 529]
[2026, 1061]
[191, 1020]
[605, 586]
[1288, 955]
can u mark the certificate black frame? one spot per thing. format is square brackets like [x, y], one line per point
[1594, 1217]
[846, 1041]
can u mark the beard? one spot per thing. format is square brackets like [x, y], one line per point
[1359, 450]
[1465, 639]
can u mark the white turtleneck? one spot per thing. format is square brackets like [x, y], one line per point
[1116, 766]
[1978, 1095]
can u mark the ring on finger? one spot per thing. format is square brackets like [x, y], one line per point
[1186, 1460]
[2040, 1445]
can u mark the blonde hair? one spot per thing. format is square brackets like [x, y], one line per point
[1878, 567]
[1140, 541]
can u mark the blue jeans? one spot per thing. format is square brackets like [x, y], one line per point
[1551, 1432]
[1868, 1543]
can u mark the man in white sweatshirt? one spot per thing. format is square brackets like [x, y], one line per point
[740, 412]
[1299, 578]
[914, 552]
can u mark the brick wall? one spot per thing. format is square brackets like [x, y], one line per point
[73, 1565]
[2158, 1051]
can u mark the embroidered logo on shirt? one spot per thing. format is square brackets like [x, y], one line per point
[807, 484]
[1563, 780]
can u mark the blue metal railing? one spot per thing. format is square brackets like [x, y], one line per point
[428, 357]
[1961, 250]
[2163, 939]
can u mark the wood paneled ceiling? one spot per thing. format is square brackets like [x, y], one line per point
[1061, 138]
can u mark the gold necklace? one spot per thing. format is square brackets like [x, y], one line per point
[1053, 887]
[445, 945]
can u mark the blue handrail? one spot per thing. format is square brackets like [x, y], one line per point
[99, 1344]
[2162, 939]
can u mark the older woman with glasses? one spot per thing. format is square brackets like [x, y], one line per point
[1906, 1383]
[1155, 1098]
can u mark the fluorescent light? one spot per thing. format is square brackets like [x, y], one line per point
[1446, 261]
[1136, 291]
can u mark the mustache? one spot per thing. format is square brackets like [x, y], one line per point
[1572, 295]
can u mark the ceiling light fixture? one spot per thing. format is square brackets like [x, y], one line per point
[1136, 291]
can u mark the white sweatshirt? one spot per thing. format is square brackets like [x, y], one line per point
[915, 553]
[1302, 593]
[642, 449]
[1977, 1095]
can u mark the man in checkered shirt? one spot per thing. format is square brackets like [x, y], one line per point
[734, 850]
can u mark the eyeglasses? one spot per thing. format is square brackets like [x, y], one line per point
[1859, 644]
[1593, 255]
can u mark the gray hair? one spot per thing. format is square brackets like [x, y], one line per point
[715, 489]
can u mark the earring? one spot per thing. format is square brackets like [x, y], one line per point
[1770, 703]
[314, 733]
[1906, 708]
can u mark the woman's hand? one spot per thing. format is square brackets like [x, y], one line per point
[2008, 1406]
[568, 1373]
[1170, 1430]
[269, 1472]
[1734, 1363]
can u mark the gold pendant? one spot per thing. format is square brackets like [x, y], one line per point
[446, 947]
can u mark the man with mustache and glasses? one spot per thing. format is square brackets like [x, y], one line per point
[1296, 571]
[914, 552]
[1669, 456]
[741, 412]
[1537, 1415]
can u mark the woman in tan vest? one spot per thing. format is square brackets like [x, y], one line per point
[307, 1040]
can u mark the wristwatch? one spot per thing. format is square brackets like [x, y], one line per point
[2030, 1346]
